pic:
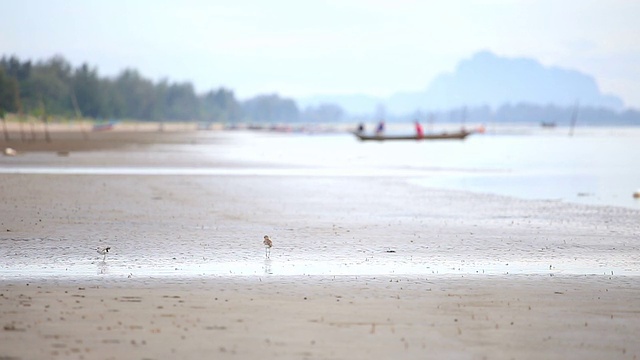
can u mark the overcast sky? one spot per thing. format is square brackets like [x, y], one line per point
[307, 47]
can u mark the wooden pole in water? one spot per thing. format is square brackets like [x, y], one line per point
[4, 126]
[22, 117]
[430, 122]
[574, 118]
[76, 109]
[464, 117]
[47, 136]
[23, 137]
[32, 125]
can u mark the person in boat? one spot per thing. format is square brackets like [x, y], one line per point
[380, 128]
[419, 130]
[360, 128]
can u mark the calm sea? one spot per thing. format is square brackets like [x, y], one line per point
[596, 166]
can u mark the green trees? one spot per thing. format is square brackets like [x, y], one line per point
[87, 93]
[134, 97]
[323, 113]
[9, 99]
[54, 87]
[48, 85]
[221, 106]
[271, 108]
[9, 93]
[181, 103]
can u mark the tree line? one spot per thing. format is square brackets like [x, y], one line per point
[55, 87]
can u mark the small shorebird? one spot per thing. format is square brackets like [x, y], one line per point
[103, 251]
[267, 246]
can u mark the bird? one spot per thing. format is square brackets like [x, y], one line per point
[267, 246]
[103, 251]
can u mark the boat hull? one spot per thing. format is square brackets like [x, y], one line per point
[461, 135]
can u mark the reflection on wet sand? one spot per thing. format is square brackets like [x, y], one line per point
[103, 268]
[267, 267]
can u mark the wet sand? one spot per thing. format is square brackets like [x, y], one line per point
[507, 312]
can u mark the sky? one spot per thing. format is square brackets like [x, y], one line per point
[315, 47]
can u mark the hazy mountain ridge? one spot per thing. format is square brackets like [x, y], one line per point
[486, 79]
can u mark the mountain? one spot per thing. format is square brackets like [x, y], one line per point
[488, 79]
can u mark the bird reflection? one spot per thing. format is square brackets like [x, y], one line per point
[267, 267]
[103, 268]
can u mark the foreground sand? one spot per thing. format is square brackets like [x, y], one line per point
[324, 318]
[475, 316]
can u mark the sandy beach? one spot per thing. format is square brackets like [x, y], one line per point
[324, 318]
[362, 267]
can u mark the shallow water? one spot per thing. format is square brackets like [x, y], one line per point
[49, 258]
[596, 166]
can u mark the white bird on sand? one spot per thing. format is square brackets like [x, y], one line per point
[267, 246]
[103, 251]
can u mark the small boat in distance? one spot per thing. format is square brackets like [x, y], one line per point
[103, 126]
[458, 135]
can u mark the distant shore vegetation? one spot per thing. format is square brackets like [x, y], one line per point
[54, 87]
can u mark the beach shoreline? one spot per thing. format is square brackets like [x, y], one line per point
[64, 138]
[561, 279]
